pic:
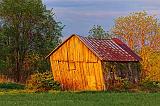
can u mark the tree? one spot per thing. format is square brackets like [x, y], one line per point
[142, 34]
[138, 29]
[99, 32]
[150, 64]
[28, 33]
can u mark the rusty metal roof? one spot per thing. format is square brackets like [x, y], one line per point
[106, 49]
[110, 49]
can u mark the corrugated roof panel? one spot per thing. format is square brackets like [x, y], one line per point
[110, 49]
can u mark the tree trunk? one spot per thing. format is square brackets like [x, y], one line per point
[17, 66]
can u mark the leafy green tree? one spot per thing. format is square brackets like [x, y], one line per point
[97, 31]
[28, 33]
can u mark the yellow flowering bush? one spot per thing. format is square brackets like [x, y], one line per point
[42, 82]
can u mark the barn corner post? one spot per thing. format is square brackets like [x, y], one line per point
[138, 72]
[134, 72]
[104, 74]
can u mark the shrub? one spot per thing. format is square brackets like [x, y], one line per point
[150, 86]
[42, 82]
[11, 86]
[123, 84]
[127, 84]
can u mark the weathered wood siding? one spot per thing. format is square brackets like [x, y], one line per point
[76, 67]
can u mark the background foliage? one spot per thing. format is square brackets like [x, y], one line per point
[28, 32]
[98, 32]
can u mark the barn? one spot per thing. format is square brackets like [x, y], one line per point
[80, 63]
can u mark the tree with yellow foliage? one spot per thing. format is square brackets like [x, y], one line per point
[138, 30]
[142, 34]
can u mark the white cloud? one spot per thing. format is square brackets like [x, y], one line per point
[88, 13]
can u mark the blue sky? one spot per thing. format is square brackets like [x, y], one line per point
[80, 15]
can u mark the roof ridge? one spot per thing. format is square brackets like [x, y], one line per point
[97, 38]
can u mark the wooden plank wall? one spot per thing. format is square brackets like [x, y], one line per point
[76, 67]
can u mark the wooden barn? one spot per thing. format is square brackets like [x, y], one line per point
[81, 63]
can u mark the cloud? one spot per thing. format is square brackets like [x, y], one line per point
[89, 13]
[103, 4]
[80, 15]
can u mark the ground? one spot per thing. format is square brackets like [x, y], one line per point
[81, 99]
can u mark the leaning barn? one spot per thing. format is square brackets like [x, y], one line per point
[81, 63]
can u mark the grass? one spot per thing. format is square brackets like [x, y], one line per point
[81, 99]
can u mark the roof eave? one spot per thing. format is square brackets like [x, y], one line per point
[121, 61]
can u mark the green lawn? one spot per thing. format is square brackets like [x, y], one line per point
[81, 99]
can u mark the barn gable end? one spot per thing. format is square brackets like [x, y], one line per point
[76, 67]
[74, 50]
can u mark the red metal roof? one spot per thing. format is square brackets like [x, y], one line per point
[107, 49]
[110, 49]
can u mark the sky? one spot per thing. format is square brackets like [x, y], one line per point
[79, 16]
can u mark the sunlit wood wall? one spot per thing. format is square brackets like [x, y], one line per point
[76, 67]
